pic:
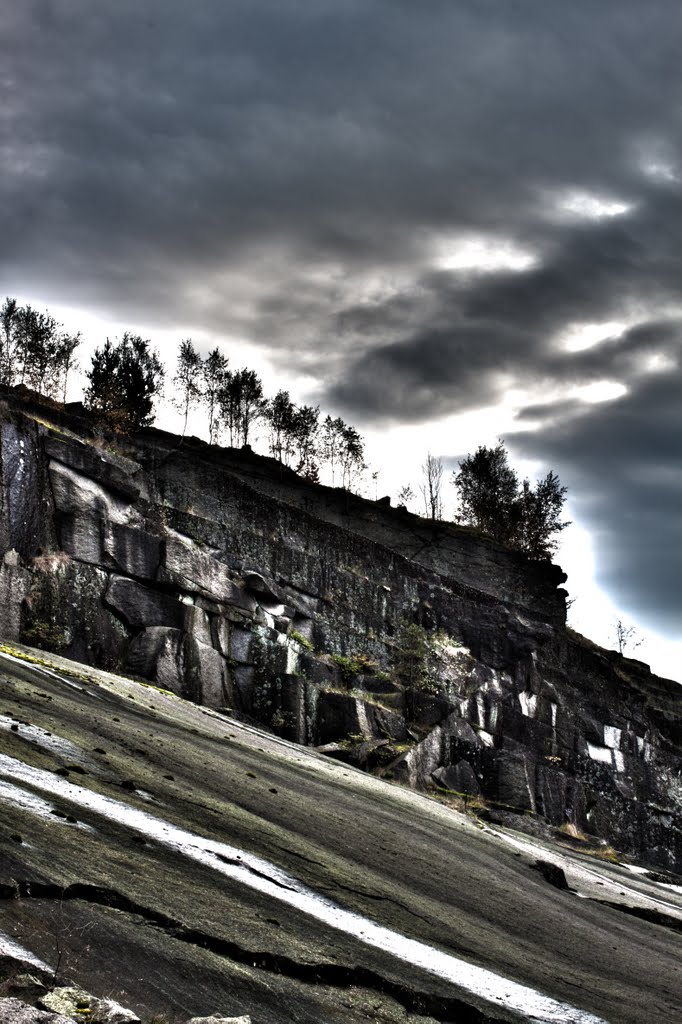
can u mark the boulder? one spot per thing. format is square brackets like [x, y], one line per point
[15, 585]
[132, 551]
[27, 987]
[158, 653]
[552, 873]
[108, 1011]
[14, 1011]
[84, 507]
[339, 715]
[67, 1001]
[259, 585]
[206, 676]
[386, 723]
[192, 569]
[216, 1019]
[418, 765]
[140, 606]
[76, 1004]
[460, 778]
[114, 472]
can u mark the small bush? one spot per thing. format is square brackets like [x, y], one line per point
[46, 636]
[413, 649]
[283, 720]
[569, 829]
[301, 640]
[349, 667]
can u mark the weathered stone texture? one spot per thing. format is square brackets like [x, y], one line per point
[212, 573]
[14, 1011]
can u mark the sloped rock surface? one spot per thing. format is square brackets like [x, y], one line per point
[220, 577]
[14, 1011]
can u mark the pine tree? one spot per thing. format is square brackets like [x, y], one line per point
[125, 378]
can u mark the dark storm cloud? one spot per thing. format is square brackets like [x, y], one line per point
[456, 343]
[286, 171]
[151, 143]
[622, 462]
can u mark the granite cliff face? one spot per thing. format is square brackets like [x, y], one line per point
[227, 580]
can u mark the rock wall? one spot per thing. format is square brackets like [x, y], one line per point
[222, 577]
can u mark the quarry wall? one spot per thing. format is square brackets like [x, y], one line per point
[226, 579]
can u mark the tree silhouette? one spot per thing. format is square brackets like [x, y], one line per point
[351, 455]
[305, 439]
[280, 414]
[241, 404]
[187, 380]
[521, 516]
[34, 350]
[626, 637]
[213, 372]
[431, 487]
[125, 379]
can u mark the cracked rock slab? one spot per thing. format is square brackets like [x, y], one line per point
[14, 1011]
[219, 1020]
[74, 1002]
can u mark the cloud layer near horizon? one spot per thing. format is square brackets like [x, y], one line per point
[412, 204]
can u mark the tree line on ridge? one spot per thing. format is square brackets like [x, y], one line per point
[126, 377]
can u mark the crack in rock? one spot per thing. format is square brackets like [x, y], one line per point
[645, 914]
[333, 975]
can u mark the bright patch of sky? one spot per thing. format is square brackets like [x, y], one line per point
[657, 160]
[661, 172]
[482, 254]
[600, 391]
[657, 362]
[594, 614]
[590, 206]
[579, 337]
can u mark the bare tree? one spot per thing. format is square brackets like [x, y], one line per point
[351, 456]
[280, 415]
[9, 318]
[626, 637]
[304, 437]
[34, 350]
[213, 372]
[187, 380]
[331, 445]
[406, 495]
[431, 487]
[241, 403]
[69, 344]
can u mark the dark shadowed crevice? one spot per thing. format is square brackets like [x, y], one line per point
[645, 914]
[334, 975]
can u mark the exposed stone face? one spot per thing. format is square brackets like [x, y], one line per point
[15, 1011]
[141, 606]
[115, 473]
[217, 1019]
[132, 551]
[15, 586]
[158, 653]
[213, 574]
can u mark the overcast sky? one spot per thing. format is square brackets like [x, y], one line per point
[445, 221]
